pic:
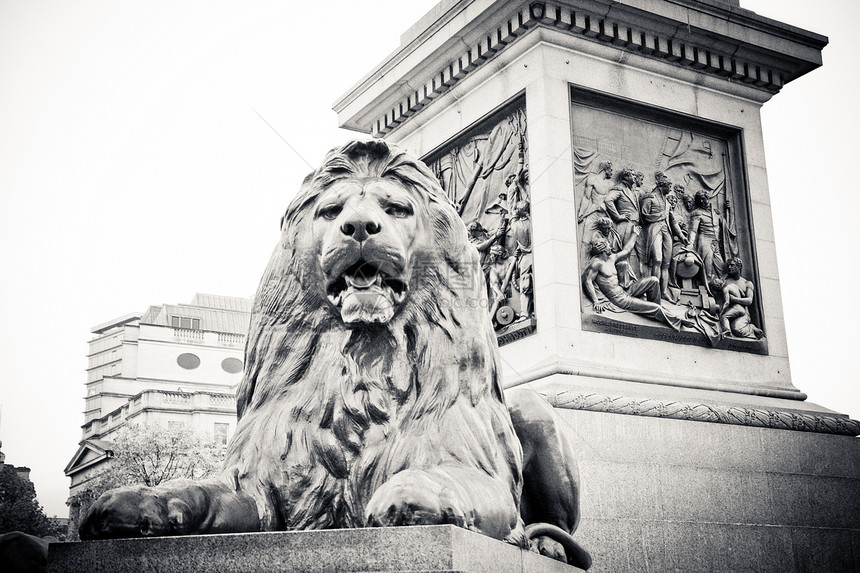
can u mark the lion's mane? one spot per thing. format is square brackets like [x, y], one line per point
[329, 413]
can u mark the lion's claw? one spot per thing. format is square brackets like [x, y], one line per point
[414, 497]
[134, 511]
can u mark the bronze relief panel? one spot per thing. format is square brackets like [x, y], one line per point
[664, 234]
[485, 173]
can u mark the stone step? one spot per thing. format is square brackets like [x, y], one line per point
[419, 548]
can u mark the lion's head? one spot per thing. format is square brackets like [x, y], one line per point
[370, 247]
[369, 230]
[370, 236]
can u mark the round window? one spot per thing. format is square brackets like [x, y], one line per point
[231, 365]
[188, 361]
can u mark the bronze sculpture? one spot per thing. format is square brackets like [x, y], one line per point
[372, 392]
[680, 190]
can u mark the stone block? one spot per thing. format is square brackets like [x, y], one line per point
[820, 549]
[557, 261]
[811, 454]
[767, 265]
[632, 493]
[759, 190]
[725, 547]
[557, 300]
[556, 182]
[549, 98]
[762, 221]
[719, 495]
[809, 500]
[425, 548]
[540, 344]
[753, 137]
[771, 298]
[675, 495]
[777, 344]
[621, 545]
[552, 221]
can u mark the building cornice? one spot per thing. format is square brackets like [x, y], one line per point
[104, 328]
[715, 39]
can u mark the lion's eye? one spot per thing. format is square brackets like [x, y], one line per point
[331, 212]
[398, 210]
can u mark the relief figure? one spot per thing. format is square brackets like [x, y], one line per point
[482, 240]
[677, 246]
[591, 207]
[519, 241]
[737, 294]
[622, 206]
[601, 270]
[660, 228]
[498, 276]
[704, 230]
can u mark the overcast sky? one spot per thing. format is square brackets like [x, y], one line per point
[135, 171]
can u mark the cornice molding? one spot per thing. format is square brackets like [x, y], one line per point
[699, 412]
[622, 25]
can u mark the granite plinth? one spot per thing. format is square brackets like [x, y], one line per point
[685, 496]
[420, 548]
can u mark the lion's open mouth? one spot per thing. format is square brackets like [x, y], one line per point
[366, 294]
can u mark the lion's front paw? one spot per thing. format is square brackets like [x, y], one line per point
[135, 511]
[414, 497]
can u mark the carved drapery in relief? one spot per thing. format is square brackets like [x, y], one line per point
[485, 174]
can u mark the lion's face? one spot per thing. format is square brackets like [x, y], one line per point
[367, 233]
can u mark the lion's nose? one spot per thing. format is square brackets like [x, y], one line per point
[360, 228]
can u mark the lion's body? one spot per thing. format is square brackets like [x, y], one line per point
[330, 411]
[314, 452]
[371, 393]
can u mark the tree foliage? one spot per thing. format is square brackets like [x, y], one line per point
[150, 455]
[19, 508]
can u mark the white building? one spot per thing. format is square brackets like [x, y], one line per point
[173, 364]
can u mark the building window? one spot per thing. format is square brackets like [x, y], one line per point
[221, 432]
[231, 365]
[188, 361]
[185, 322]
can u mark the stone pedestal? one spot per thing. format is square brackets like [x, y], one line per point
[425, 548]
[698, 451]
[675, 495]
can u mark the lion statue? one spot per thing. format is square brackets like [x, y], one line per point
[371, 394]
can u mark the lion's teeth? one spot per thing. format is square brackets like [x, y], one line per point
[363, 282]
